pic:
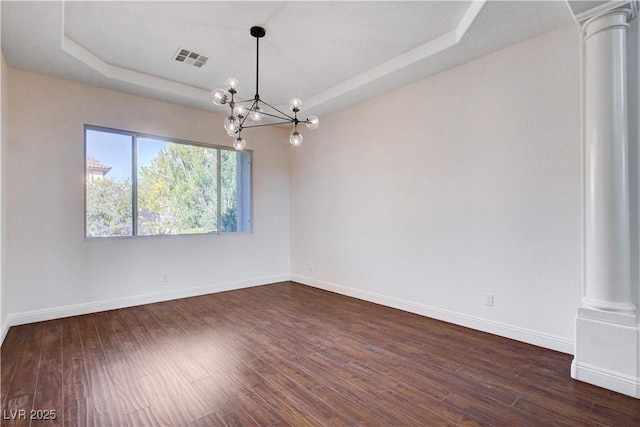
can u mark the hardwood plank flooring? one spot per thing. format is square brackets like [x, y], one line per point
[287, 355]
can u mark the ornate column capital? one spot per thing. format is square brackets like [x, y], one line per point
[609, 20]
[630, 9]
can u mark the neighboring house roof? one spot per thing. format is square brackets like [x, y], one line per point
[95, 165]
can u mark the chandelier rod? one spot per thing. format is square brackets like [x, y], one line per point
[257, 65]
[258, 33]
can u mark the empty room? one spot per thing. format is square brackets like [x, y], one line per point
[333, 213]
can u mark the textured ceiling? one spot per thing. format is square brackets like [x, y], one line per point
[330, 54]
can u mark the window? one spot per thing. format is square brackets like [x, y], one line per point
[141, 185]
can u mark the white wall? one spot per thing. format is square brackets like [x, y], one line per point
[462, 184]
[52, 271]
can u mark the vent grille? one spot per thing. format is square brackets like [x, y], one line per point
[189, 57]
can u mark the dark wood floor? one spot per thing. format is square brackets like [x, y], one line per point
[286, 354]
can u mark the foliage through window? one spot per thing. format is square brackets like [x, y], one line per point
[140, 185]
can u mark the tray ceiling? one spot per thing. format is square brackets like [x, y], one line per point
[329, 54]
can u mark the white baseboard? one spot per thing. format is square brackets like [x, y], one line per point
[4, 328]
[112, 304]
[497, 328]
[610, 380]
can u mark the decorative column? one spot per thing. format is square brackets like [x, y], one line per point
[607, 238]
[607, 336]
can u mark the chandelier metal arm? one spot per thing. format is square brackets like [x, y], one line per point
[266, 124]
[287, 118]
[246, 100]
[254, 101]
[271, 106]
[244, 119]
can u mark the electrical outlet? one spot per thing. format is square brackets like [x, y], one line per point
[165, 277]
[310, 266]
[488, 299]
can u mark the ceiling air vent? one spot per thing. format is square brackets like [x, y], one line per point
[190, 57]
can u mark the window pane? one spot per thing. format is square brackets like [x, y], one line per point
[108, 165]
[235, 181]
[235, 191]
[177, 188]
[229, 194]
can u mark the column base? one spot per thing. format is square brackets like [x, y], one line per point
[607, 352]
[617, 307]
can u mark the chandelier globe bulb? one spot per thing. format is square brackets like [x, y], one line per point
[232, 124]
[219, 96]
[256, 114]
[295, 104]
[240, 110]
[295, 139]
[312, 122]
[239, 144]
[232, 84]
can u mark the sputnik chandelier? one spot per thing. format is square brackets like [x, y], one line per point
[255, 109]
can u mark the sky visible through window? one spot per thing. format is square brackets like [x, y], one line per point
[114, 150]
